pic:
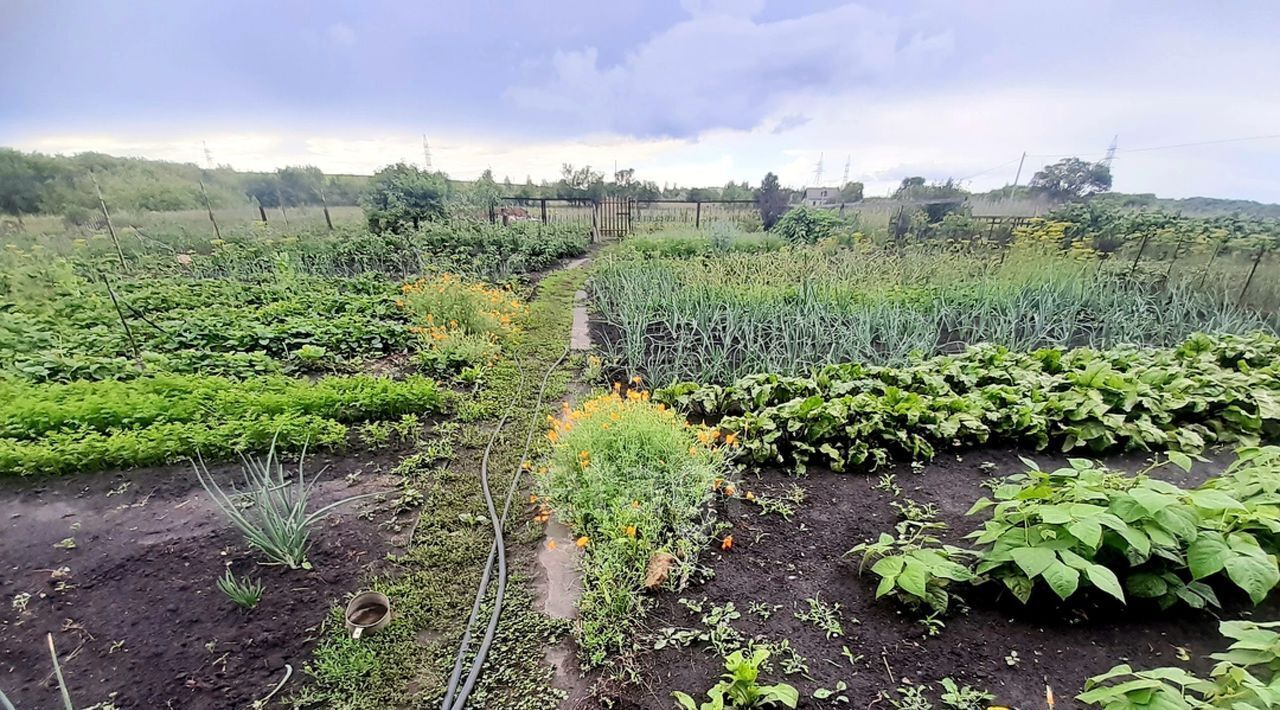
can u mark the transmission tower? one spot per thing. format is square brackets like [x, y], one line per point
[1111, 151]
[817, 172]
[426, 153]
[208, 157]
[844, 180]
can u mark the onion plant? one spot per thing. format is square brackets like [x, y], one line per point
[243, 591]
[789, 311]
[271, 509]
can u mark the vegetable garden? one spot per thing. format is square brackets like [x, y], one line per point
[811, 467]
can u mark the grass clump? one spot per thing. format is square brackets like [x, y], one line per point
[632, 479]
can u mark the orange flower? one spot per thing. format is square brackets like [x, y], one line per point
[533, 498]
[731, 439]
[630, 531]
[551, 544]
[636, 380]
[582, 542]
[727, 543]
[728, 490]
[693, 451]
[553, 435]
[717, 483]
[635, 505]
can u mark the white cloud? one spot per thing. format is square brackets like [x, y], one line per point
[341, 34]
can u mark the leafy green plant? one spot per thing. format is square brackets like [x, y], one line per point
[1086, 525]
[963, 697]
[826, 617]
[1244, 677]
[1206, 391]
[245, 592]
[740, 687]
[271, 510]
[914, 566]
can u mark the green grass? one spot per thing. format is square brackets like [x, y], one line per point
[434, 583]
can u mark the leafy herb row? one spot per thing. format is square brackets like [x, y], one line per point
[56, 428]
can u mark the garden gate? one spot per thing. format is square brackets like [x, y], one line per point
[613, 216]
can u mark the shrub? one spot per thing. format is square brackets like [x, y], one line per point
[460, 323]
[808, 225]
[632, 480]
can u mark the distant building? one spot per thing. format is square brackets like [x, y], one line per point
[815, 196]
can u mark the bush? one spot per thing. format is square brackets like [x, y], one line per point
[460, 323]
[808, 225]
[632, 479]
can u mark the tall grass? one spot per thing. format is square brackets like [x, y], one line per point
[716, 319]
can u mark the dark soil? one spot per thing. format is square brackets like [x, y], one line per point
[784, 563]
[138, 621]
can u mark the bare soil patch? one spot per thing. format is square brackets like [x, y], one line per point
[783, 563]
[138, 620]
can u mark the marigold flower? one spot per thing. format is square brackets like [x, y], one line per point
[533, 498]
[727, 543]
[731, 439]
[728, 491]
[630, 530]
[551, 544]
[582, 542]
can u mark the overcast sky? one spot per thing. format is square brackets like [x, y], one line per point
[696, 92]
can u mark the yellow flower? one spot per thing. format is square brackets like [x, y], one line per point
[582, 542]
[551, 544]
[630, 531]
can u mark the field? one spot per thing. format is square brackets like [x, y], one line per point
[822, 465]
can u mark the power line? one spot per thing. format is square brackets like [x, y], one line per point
[1162, 147]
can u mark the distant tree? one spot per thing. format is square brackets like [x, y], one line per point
[484, 193]
[23, 181]
[401, 196]
[909, 188]
[851, 192]
[770, 200]
[580, 183]
[300, 185]
[702, 194]
[1071, 178]
[648, 190]
[734, 191]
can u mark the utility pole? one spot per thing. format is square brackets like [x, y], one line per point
[1018, 175]
[845, 179]
[1111, 150]
[426, 153]
[208, 157]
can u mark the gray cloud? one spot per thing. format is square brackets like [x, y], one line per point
[722, 69]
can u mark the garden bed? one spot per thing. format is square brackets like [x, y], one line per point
[783, 563]
[138, 621]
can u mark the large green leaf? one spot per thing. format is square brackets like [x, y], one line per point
[1256, 575]
[1033, 560]
[1105, 580]
[1062, 579]
[1207, 555]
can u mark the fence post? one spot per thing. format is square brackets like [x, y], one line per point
[1209, 266]
[216, 232]
[697, 215]
[595, 221]
[261, 211]
[327, 219]
[1177, 247]
[1141, 248]
[111, 228]
[1252, 271]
